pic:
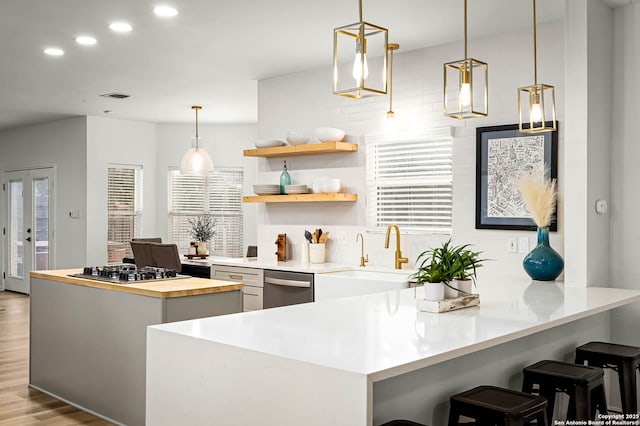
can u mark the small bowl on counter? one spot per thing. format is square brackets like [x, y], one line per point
[295, 138]
[266, 143]
[329, 134]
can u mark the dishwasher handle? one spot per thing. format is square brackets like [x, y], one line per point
[287, 283]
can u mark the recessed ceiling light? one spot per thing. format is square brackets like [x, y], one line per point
[120, 27]
[165, 11]
[53, 51]
[86, 40]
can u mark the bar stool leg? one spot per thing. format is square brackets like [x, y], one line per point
[600, 400]
[550, 395]
[627, 379]
[582, 402]
[453, 415]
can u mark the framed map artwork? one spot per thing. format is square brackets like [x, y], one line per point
[502, 155]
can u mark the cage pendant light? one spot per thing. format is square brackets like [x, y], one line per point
[466, 85]
[392, 47]
[360, 59]
[536, 103]
[196, 161]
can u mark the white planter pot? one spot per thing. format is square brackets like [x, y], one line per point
[202, 248]
[450, 293]
[465, 286]
[433, 291]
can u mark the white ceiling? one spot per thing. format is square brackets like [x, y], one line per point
[211, 54]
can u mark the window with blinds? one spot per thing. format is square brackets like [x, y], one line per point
[218, 194]
[124, 210]
[410, 182]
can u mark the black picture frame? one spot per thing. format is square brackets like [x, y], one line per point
[498, 139]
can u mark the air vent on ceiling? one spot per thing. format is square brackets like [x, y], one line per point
[115, 95]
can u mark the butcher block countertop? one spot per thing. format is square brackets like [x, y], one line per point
[161, 289]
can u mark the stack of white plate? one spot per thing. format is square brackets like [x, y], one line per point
[266, 189]
[296, 189]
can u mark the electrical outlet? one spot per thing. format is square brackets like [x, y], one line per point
[523, 245]
[341, 238]
[512, 246]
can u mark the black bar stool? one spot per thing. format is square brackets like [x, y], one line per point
[583, 384]
[624, 360]
[491, 405]
[402, 423]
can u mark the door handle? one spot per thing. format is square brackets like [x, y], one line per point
[28, 239]
[288, 283]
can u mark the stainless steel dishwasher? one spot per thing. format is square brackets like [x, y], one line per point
[286, 288]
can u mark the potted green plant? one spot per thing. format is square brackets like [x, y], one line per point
[437, 267]
[467, 263]
[202, 231]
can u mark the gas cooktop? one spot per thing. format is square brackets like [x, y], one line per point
[127, 274]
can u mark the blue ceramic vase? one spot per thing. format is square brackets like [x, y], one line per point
[543, 263]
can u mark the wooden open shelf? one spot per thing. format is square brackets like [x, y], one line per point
[300, 198]
[304, 149]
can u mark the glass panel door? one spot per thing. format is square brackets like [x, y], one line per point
[29, 230]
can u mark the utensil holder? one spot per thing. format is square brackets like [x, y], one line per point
[316, 253]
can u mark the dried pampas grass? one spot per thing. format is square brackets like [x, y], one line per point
[539, 194]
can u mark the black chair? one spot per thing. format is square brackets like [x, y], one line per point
[491, 405]
[583, 384]
[148, 240]
[624, 360]
[166, 256]
[142, 254]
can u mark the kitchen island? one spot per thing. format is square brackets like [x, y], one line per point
[364, 360]
[88, 337]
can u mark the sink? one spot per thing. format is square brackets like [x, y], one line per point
[358, 282]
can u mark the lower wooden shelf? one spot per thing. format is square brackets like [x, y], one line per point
[300, 198]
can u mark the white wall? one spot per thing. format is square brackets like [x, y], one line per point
[303, 101]
[224, 143]
[625, 174]
[60, 143]
[111, 141]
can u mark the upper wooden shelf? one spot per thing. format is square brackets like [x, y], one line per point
[299, 198]
[305, 149]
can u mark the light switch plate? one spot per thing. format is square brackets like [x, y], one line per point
[512, 246]
[74, 214]
[523, 245]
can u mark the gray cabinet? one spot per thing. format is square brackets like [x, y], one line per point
[251, 278]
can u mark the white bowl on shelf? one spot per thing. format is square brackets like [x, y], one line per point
[295, 138]
[265, 143]
[331, 185]
[329, 134]
[266, 189]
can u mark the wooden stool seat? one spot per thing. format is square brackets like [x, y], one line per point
[494, 405]
[583, 384]
[624, 360]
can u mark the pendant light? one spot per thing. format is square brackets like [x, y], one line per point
[536, 103]
[196, 160]
[466, 85]
[360, 59]
[392, 47]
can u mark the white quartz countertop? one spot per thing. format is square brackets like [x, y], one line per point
[261, 263]
[383, 335]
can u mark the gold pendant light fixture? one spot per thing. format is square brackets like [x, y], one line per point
[365, 74]
[392, 47]
[196, 161]
[536, 103]
[466, 85]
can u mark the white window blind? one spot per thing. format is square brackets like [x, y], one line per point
[410, 182]
[124, 210]
[220, 195]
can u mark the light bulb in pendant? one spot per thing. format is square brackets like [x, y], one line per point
[536, 112]
[464, 96]
[357, 67]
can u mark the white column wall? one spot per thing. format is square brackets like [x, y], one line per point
[625, 173]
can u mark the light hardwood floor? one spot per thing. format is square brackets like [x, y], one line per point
[20, 405]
